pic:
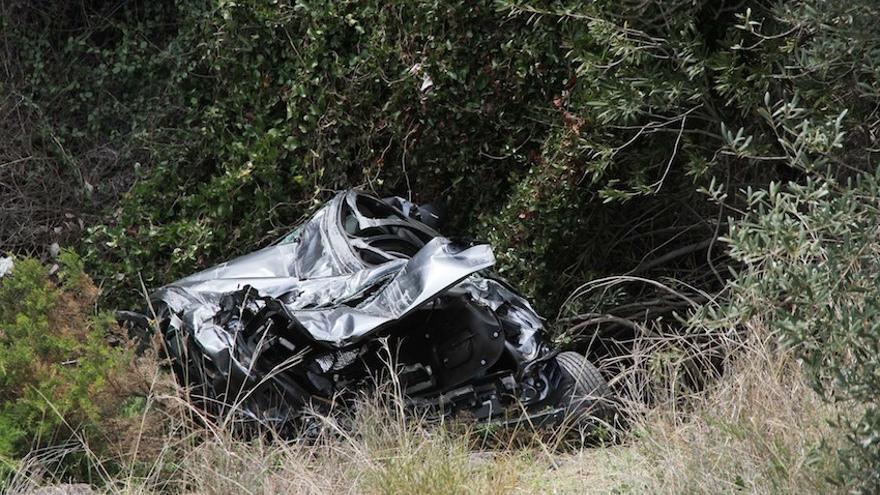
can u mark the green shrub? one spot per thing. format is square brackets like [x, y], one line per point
[554, 129]
[808, 252]
[812, 256]
[295, 99]
[55, 364]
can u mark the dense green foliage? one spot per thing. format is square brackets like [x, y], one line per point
[524, 119]
[811, 253]
[54, 359]
[581, 138]
[527, 119]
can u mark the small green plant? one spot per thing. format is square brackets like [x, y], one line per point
[54, 359]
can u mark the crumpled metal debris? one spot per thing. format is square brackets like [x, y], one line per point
[315, 316]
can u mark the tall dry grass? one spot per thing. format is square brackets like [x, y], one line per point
[757, 428]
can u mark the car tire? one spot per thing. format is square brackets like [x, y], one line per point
[588, 393]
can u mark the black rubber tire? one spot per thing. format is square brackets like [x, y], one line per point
[588, 392]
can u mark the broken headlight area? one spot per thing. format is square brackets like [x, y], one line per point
[363, 287]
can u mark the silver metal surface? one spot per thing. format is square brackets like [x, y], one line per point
[316, 272]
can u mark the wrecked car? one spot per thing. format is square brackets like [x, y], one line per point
[365, 285]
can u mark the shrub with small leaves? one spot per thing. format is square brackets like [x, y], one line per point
[812, 258]
[54, 359]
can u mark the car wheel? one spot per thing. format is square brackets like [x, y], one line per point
[588, 392]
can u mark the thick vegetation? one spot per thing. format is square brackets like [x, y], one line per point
[58, 373]
[811, 253]
[726, 149]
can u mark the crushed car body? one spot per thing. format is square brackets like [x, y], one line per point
[365, 282]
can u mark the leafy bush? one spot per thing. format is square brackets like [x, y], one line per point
[296, 98]
[55, 364]
[78, 93]
[813, 266]
[667, 98]
[575, 136]
[808, 266]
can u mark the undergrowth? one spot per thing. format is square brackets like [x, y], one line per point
[759, 429]
[62, 379]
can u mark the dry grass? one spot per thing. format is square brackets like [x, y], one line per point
[758, 429]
